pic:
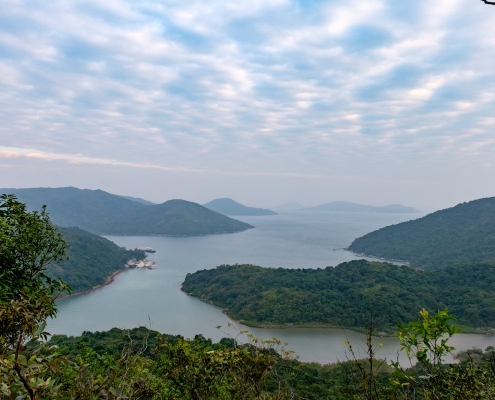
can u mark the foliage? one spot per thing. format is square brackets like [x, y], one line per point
[28, 244]
[344, 295]
[142, 364]
[92, 259]
[426, 341]
[200, 369]
[103, 213]
[460, 235]
[111, 342]
[173, 368]
[478, 357]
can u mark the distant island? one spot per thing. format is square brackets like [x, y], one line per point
[230, 207]
[463, 234]
[351, 295]
[346, 206]
[93, 260]
[107, 214]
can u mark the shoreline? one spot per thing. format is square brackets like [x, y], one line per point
[110, 279]
[312, 325]
[382, 259]
[488, 331]
[176, 236]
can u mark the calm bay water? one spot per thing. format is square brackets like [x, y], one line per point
[290, 240]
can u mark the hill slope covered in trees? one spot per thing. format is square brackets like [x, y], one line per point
[346, 295]
[92, 259]
[230, 207]
[107, 214]
[463, 234]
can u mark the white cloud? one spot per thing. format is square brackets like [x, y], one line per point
[272, 83]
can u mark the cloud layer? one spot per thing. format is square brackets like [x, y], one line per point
[273, 87]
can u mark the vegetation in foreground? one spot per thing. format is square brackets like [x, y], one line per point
[342, 296]
[147, 365]
[461, 235]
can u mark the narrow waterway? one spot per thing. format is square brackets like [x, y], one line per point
[292, 240]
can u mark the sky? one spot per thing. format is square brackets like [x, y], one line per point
[371, 101]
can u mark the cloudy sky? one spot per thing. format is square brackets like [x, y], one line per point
[265, 101]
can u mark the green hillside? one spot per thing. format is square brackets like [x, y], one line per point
[92, 259]
[176, 218]
[345, 296]
[107, 214]
[230, 207]
[463, 234]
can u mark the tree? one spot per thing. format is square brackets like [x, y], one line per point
[28, 244]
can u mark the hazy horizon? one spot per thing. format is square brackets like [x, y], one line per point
[268, 206]
[376, 102]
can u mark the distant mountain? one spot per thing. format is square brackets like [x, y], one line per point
[463, 234]
[353, 207]
[139, 200]
[230, 207]
[291, 205]
[92, 259]
[104, 213]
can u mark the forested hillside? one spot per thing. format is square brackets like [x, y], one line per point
[107, 214]
[346, 296]
[463, 234]
[92, 259]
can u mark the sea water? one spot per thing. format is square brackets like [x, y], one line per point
[298, 239]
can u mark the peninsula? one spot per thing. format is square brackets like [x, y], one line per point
[350, 295]
[460, 235]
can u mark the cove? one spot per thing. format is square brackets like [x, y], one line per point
[291, 240]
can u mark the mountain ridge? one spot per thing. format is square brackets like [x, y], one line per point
[103, 213]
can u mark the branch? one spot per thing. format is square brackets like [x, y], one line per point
[488, 2]
[18, 369]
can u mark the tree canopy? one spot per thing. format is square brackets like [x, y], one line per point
[464, 234]
[351, 295]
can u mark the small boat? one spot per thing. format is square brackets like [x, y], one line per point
[147, 249]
